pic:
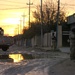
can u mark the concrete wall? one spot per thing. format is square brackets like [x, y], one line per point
[36, 41]
[47, 40]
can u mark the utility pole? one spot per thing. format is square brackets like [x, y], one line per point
[18, 29]
[18, 35]
[20, 26]
[48, 20]
[29, 11]
[57, 29]
[41, 25]
[23, 20]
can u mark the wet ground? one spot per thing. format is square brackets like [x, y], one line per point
[40, 63]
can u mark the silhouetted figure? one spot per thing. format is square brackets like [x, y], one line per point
[72, 43]
[53, 41]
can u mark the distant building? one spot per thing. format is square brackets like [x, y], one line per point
[71, 19]
[71, 22]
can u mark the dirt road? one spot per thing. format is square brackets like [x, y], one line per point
[46, 65]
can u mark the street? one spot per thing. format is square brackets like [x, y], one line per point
[41, 64]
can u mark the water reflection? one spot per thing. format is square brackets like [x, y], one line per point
[16, 57]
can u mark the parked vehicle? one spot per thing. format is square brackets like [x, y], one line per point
[5, 41]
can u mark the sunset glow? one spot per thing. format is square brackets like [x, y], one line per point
[11, 13]
[12, 21]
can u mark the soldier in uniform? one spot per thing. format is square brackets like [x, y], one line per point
[53, 41]
[72, 43]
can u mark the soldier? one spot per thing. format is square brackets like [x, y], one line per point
[72, 43]
[53, 41]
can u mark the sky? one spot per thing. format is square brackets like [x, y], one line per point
[12, 11]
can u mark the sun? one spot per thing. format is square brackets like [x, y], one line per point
[12, 21]
[14, 25]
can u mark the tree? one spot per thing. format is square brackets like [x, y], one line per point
[49, 16]
[49, 20]
[35, 29]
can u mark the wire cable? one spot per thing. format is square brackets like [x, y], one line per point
[9, 5]
[14, 8]
[12, 1]
[67, 4]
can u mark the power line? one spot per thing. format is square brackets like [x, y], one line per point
[67, 4]
[12, 1]
[14, 8]
[8, 5]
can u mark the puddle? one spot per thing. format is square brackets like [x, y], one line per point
[15, 57]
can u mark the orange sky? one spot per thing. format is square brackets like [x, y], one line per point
[10, 15]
